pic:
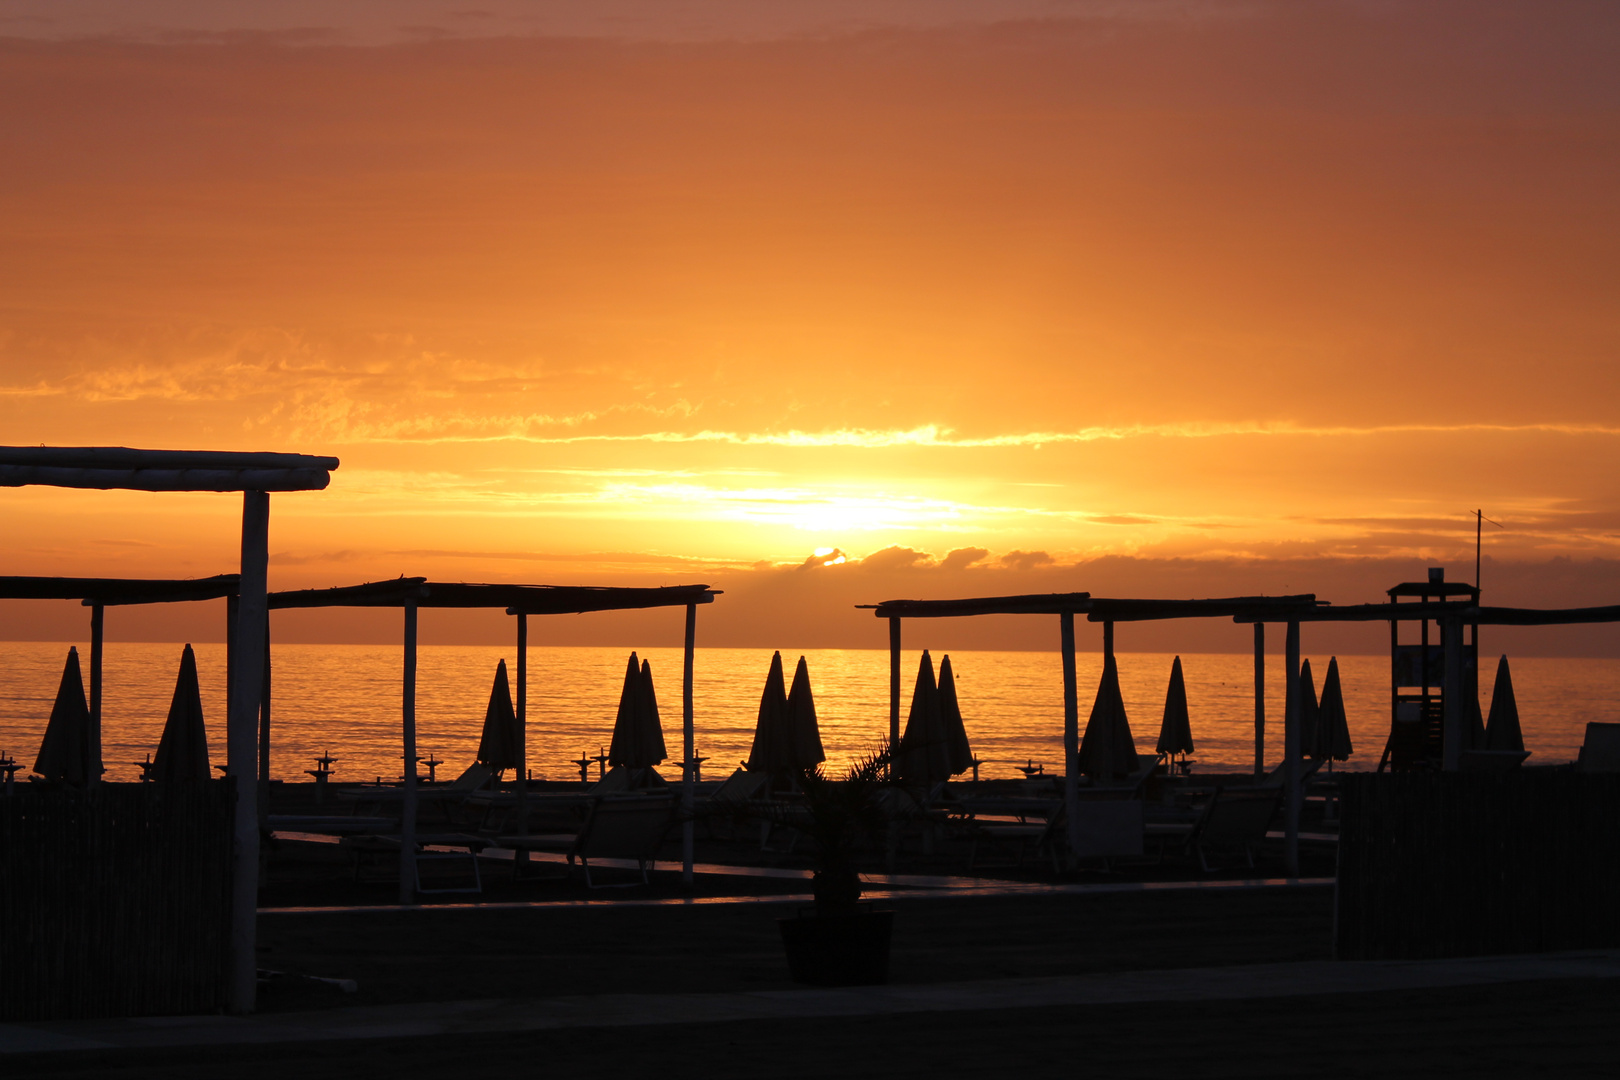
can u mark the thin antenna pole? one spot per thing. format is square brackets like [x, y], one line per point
[1479, 529]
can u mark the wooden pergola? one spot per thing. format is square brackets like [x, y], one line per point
[1257, 609]
[98, 594]
[255, 475]
[415, 593]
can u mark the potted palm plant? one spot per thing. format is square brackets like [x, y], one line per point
[843, 942]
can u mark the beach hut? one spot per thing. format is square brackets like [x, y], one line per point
[1175, 731]
[1332, 723]
[1502, 730]
[498, 745]
[64, 752]
[182, 753]
[1107, 749]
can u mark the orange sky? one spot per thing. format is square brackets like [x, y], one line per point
[1173, 298]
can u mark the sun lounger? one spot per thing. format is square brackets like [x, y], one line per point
[1234, 818]
[618, 827]
[1491, 761]
[450, 847]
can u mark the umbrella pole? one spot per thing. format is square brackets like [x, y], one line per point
[689, 769]
[1259, 699]
[407, 810]
[1071, 731]
[894, 691]
[242, 729]
[93, 774]
[522, 827]
[1291, 752]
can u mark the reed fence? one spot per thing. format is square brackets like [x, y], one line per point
[114, 901]
[1470, 864]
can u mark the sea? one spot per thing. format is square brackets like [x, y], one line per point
[344, 701]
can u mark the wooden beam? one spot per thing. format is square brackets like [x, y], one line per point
[124, 457]
[262, 480]
[1032, 604]
[109, 592]
[242, 728]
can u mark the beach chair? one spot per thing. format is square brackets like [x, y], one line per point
[1234, 818]
[1600, 752]
[617, 827]
[430, 848]
[474, 779]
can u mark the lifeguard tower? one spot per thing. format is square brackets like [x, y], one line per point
[1418, 672]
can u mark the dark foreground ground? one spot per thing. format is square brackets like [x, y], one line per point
[1562, 1028]
[1565, 1028]
[444, 955]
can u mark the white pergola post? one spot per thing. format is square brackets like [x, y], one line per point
[894, 691]
[1071, 731]
[1453, 716]
[1291, 745]
[97, 617]
[407, 804]
[242, 731]
[1259, 699]
[689, 746]
[520, 859]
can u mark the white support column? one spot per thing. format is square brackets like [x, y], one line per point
[1292, 799]
[1259, 699]
[264, 732]
[1453, 714]
[521, 827]
[407, 804]
[242, 738]
[97, 619]
[894, 693]
[689, 746]
[1071, 731]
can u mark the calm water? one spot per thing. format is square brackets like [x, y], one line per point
[345, 698]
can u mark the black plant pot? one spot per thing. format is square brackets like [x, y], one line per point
[839, 950]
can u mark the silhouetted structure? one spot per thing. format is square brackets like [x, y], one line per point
[522, 601]
[255, 475]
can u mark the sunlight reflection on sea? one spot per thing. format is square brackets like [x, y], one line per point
[346, 698]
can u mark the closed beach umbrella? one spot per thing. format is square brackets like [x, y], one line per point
[773, 736]
[1502, 728]
[1310, 714]
[64, 752]
[956, 740]
[638, 737]
[1107, 750]
[801, 714]
[498, 746]
[924, 755]
[182, 753]
[1175, 733]
[1332, 722]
